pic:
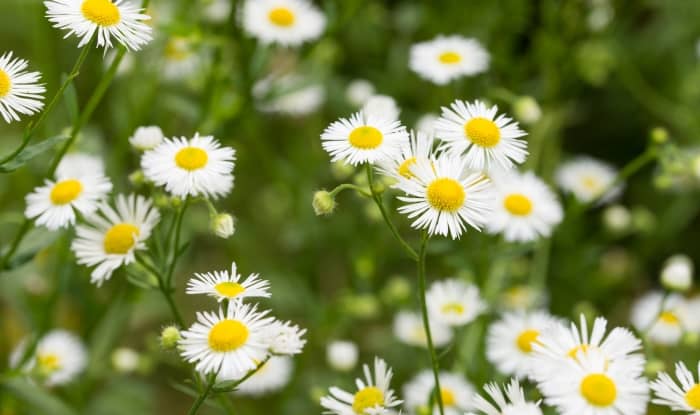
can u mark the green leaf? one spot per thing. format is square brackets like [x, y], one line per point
[108, 332]
[36, 397]
[30, 152]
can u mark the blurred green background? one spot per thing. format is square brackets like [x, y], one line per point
[342, 276]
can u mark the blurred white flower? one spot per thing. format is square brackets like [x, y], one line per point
[453, 302]
[426, 123]
[677, 273]
[384, 105]
[617, 218]
[287, 22]
[455, 391]
[342, 355]
[527, 110]
[512, 402]
[660, 316]
[271, 377]
[125, 360]
[409, 329]
[60, 356]
[588, 179]
[359, 91]
[446, 58]
[146, 138]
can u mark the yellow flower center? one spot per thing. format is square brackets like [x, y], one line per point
[482, 132]
[176, 50]
[5, 84]
[450, 58]
[366, 137]
[66, 191]
[405, 167]
[446, 194]
[692, 397]
[525, 340]
[574, 351]
[227, 335]
[120, 238]
[191, 158]
[101, 12]
[229, 289]
[448, 397]
[367, 398]
[48, 362]
[282, 16]
[591, 183]
[599, 389]
[453, 308]
[518, 204]
[669, 317]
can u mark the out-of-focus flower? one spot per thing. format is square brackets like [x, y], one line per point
[342, 355]
[446, 58]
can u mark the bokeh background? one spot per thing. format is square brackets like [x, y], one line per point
[604, 73]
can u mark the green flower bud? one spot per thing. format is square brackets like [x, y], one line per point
[323, 203]
[169, 337]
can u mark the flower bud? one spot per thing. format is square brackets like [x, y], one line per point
[146, 138]
[169, 337]
[223, 225]
[125, 360]
[527, 110]
[323, 203]
[359, 91]
[342, 355]
[617, 218]
[677, 274]
[137, 178]
[659, 135]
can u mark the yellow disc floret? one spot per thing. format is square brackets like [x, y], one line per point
[367, 398]
[405, 167]
[453, 308]
[526, 339]
[120, 238]
[518, 204]
[5, 84]
[227, 335]
[282, 16]
[101, 12]
[448, 397]
[692, 397]
[366, 138]
[599, 389]
[482, 132]
[66, 191]
[446, 194]
[450, 58]
[229, 289]
[191, 158]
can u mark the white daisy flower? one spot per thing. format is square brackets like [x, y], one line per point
[216, 11]
[227, 343]
[446, 58]
[342, 355]
[20, 91]
[59, 357]
[661, 317]
[146, 138]
[486, 141]
[559, 344]
[271, 377]
[359, 91]
[593, 385]
[455, 391]
[512, 402]
[374, 395]
[454, 302]
[285, 338]
[364, 138]
[112, 236]
[180, 59]
[426, 123]
[223, 285]
[382, 104]
[199, 166]
[509, 342]
[677, 273]
[78, 187]
[588, 179]
[524, 208]
[409, 329]
[108, 18]
[683, 396]
[444, 197]
[286, 22]
[419, 146]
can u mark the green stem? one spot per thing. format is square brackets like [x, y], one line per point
[164, 289]
[176, 244]
[426, 322]
[538, 276]
[350, 186]
[378, 200]
[26, 225]
[202, 397]
[31, 128]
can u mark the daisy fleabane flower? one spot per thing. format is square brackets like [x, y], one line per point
[228, 343]
[146, 138]
[508, 401]
[594, 385]
[454, 302]
[485, 140]
[446, 58]
[285, 338]
[455, 391]
[286, 22]
[588, 179]
[408, 328]
[272, 376]
[59, 357]
[102, 18]
[199, 166]
[364, 138]
[112, 235]
[510, 340]
[223, 285]
[662, 317]
[683, 396]
[77, 187]
[444, 197]
[374, 395]
[20, 91]
[524, 208]
[419, 146]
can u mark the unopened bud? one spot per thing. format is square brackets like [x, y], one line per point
[527, 110]
[677, 274]
[659, 135]
[653, 367]
[137, 178]
[169, 337]
[323, 203]
[223, 225]
[125, 360]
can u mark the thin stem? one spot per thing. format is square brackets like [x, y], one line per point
[165, 290]
[380, 204]
[202, 397]
[26, 225]
[426, 322]
[31, 128]
[350, 186]
[176, 244]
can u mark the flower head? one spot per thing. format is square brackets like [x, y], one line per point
[20, 91]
